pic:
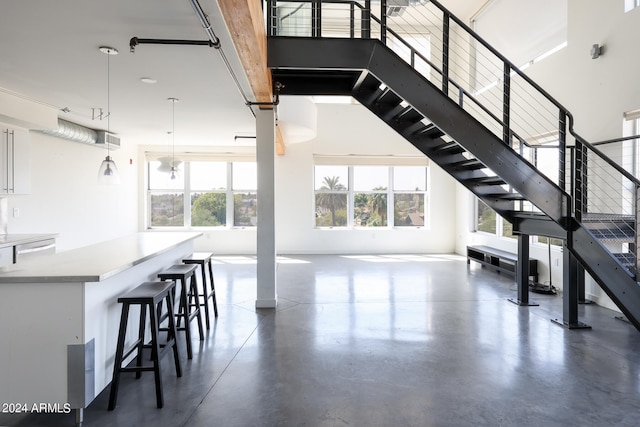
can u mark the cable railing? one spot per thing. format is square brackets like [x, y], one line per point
[496, 92]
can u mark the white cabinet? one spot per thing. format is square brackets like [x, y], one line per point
[15, 166]
[6, 256]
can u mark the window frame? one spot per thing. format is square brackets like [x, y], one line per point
[390, 192]
[187, 191]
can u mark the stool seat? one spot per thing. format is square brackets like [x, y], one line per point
[197, 257]
[188, 310]
[153, 291]
[178, 271]
[203, 259]
[149, 296]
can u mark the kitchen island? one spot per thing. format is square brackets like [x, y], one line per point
[60, 317]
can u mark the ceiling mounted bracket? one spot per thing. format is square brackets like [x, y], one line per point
[276, 98]
[136, 41]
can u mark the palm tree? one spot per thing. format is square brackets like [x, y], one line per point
[329, 199]
[379, 204]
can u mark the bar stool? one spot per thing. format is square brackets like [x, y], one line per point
[187, 307]
[149, 297]
[203, 259]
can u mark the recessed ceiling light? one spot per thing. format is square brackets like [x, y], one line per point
[148, 80]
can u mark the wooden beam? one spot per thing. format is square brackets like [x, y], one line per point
[245, 22]
[244, 19]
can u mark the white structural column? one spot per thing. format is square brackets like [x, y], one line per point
[266, 153]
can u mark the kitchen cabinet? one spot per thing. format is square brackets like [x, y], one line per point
[6, 256]
[15, 166]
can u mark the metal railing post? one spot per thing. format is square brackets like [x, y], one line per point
[316, 18]
[366, 20]
[506, 105]
[271, 16]
[562, 149]
[445, 53]
[383, 21]
[579, 178]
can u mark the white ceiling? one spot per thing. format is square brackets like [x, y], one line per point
[49, 52]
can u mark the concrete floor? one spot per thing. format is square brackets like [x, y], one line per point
[385, 341]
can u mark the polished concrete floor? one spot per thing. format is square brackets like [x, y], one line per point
[385, 341]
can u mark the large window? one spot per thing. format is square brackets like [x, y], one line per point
[203, 194]
[360, 196]
[631, 4]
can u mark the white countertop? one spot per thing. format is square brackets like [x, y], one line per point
[96, 262]
[7, 240]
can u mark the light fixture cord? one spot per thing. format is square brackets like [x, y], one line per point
[108, 105]
[173, 133]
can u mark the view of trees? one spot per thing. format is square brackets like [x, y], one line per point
[370, 209]
[208, 209]
[167, 210]
[408, 210]
[333, 203]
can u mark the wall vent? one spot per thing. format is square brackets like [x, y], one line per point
[104, 138]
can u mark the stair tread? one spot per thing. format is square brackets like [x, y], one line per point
[487, 180]
[588, 217]
[612, 235]
[467, 163]
[505, 196]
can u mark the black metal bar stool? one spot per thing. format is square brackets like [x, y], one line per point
[149, 297]
[189, 305]
[203, 259]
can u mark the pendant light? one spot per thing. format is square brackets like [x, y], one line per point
[173, 171]
[108, 172]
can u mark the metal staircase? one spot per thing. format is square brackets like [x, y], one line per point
[476, 115]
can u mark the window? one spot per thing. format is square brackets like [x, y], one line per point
[409, 187]
[245, 196]
[208, 194]
[630, 5]
[370, 184]
[360, 196]
[331, 195]
[166, 201]
[204, 194]
[486, 218]
[489, 222]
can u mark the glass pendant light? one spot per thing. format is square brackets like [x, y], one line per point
[108, 172]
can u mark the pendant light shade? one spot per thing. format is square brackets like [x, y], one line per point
[108, 172]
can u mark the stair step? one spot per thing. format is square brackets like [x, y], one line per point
[429, 132]
[613, 234]
[505, 196]
[607, 217]
[450, 148]
[392, 112]
[487, 180]
[627, 259]
[388, 97]
[409, 115]
[467, 164]
[412, 128]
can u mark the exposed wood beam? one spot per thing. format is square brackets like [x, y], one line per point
[245, 22]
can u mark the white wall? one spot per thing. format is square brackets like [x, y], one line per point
[596, 91]
[345, 129]
[66, 198]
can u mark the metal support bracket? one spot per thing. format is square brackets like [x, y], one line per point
[136, 41]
